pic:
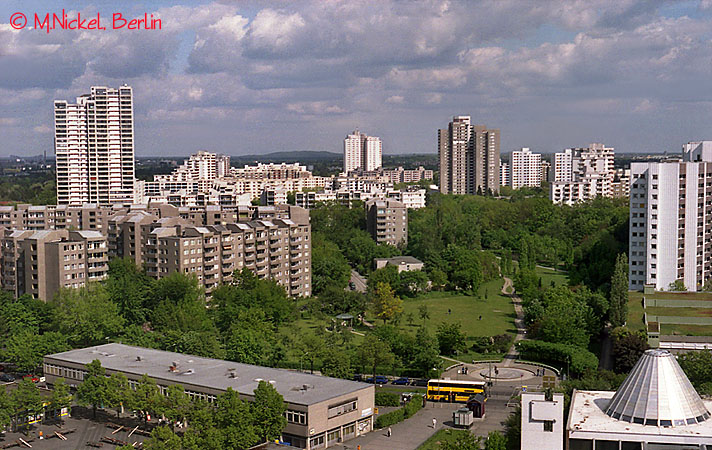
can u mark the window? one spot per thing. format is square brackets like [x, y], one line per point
[298, 417]
[549, 425]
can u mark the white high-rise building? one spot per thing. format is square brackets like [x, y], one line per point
[94, 147]
[581, 174]
[362, 152]
[503, 173]
[670, 234]
[526, 169]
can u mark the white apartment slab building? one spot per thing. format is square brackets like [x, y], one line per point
[581, 174]
[526, 169]
[362, 152]
[94, 147]
[670, 228]
[503, 173]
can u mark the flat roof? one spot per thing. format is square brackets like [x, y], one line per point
[587, 415]
[296, 387]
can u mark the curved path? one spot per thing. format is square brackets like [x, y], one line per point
[508, 289]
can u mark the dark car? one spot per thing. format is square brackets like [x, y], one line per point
[358, 377]
[380, 379]
[6, 377]
[352, 285]
[420, 382]
[402, 381]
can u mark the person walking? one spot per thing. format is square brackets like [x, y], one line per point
[389, 432]
[435, 422]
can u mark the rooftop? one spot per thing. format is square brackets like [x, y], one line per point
[588, 414]
[296, 387]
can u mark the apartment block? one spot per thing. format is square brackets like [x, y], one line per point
[545, 171]
[211, 243]
[620, 187]
[401, 175]
[670, 229]
[55, 217]
[39, 263]
[503, 173]
[526, 169]
[362, 152]
[387, 221]
[94, 147]
[581, 174]
[468, 158]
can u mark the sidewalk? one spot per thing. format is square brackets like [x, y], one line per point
[407, 435]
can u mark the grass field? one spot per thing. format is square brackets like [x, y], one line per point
[440, 437]
[548, 275]
[682, 312]
[685, 330]
[680, 295]
[635, 311]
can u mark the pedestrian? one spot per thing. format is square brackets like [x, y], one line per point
[435, 422]
[389, 432]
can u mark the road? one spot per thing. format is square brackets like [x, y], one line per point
[359, 281]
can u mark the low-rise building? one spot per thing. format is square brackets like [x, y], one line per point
[321, 411]
[403, 263]
[542, 421]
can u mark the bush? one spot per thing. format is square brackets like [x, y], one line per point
[492, 344]
[579, 359]
[400, 414]
[387, 399]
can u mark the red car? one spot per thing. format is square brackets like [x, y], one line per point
[33, 378]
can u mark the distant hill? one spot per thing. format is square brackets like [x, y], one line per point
[290, 156]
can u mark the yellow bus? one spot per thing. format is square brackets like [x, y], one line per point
[454, 391]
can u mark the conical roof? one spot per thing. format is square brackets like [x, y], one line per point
[658, 393]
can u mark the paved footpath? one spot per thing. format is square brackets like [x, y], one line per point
[407, 435]
[513, 354]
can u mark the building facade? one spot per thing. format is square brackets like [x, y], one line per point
[581, 174]
[670, 231]
[504, 173]
[526, 169]
[40, 263]
[542, 421]
[387, 221]
[321, 411]
[468, 157]
[94, 147]
[362, 152]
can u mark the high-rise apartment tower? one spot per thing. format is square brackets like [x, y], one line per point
[362, 152]
[94, 147]
[468, 158]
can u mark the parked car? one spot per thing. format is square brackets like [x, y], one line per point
[6, 377]
[358, 377]
[402, 381]
[33, 378]
[420, 382]
[380, 379]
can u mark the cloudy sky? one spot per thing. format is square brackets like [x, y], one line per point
[244, 77]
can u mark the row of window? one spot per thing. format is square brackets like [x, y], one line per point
[342, 408]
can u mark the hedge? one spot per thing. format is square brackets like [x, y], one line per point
[387, 399]
[579, 359]
[400, 414]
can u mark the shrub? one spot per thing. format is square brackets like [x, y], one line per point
[579, 359]
[387, 399]
[400, 414]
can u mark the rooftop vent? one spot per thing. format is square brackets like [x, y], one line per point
[138, 358]
[188, 372]
[658, 393]
[232, 373]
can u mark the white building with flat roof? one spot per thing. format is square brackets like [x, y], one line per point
[542, 421]
[526, 169]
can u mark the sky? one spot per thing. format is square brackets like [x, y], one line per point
[253, 77]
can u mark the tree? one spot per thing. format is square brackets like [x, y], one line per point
[311, 348]
[698, 368]
[425, 352]
[451, 339]
[423, 312]
[438, 278]
[677, 285]
[329, 267]
[61, 397]
[118, 392]
[513, 429]
[176, 404]
[147, 397]
[373, 352]
[335, 364]
[162, 438]
[6, 409]
[26, 348]
[619, 292]
[87, 316]
[464, 441]
[496, 441]
[128, 287]
[235, 422]
[94, 390]
[27, 399]
[385, 303]
[268, 410]
[628, 347]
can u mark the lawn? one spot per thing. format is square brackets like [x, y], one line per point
[685, 330]
[681, 312]
[496, 311]
[558, 277]
[680, 295]
[635, 311]
[445, 435]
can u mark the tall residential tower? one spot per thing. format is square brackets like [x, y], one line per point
[468, 158]
[362, 152]
[94, 147]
